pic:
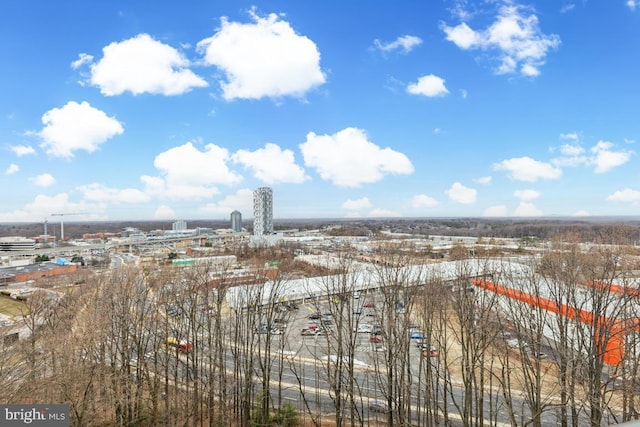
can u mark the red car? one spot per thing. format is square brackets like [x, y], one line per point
[375, 338]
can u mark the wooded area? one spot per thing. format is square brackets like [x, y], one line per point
[103, 347]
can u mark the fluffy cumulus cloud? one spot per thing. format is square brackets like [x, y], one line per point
[461, 194]
[633, 4]
[241, 200]
[43, 180]
[362, 203]
[349, 159]
[527, 209]
[264, 58]
[190, 174]
[627, 196]
[12, 169]
[605, 159]
[141, 65]
[76, 127]
[514, 38]
[527, 169]
[429, 85]
[495, 211]
[404, 44]
[99, 193]
[43, 206]
[271, 164]
[423, 201]
[22, 150]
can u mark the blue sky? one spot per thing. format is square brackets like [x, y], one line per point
[121, 110]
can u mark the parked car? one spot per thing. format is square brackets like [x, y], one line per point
[369, 304]
[357, 311]
[416, 335]
[363, 328]
[280, 322]
[376, 338]
[314, 316]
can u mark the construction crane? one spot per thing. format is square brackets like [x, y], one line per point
[62, 215]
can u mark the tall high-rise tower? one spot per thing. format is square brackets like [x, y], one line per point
[236, 221]
[263, 211]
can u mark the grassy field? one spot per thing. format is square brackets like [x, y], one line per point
[12, 307]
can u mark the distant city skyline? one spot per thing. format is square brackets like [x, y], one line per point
[161, 111]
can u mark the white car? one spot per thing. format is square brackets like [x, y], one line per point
[364, 328]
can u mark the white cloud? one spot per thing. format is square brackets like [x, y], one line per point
[461, 194]
[571, 150]
[241, 201]
[83, 59]
[581, 213]
[142, 65]
[495, 211]
[265, 58]
[423, 201]
[384, 213]
[627, 195]
[527, 209]
[605, 159]
[43, 180]
[572, 136]
[462, 36]
[514, 38]
[571, 155]
[22, 150]
[271, 164]
[464, 94]
[567, 7]
[601, 155]
[404, 43]
[428, 85]
[43, 206]
[526, 194]
[348, 159]
[11, 169]
[362, 203]
[528, 169]
[76, 127]
[188, 173]
[164, 213]
[99, 193]
[484, 180]
[632, 4]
